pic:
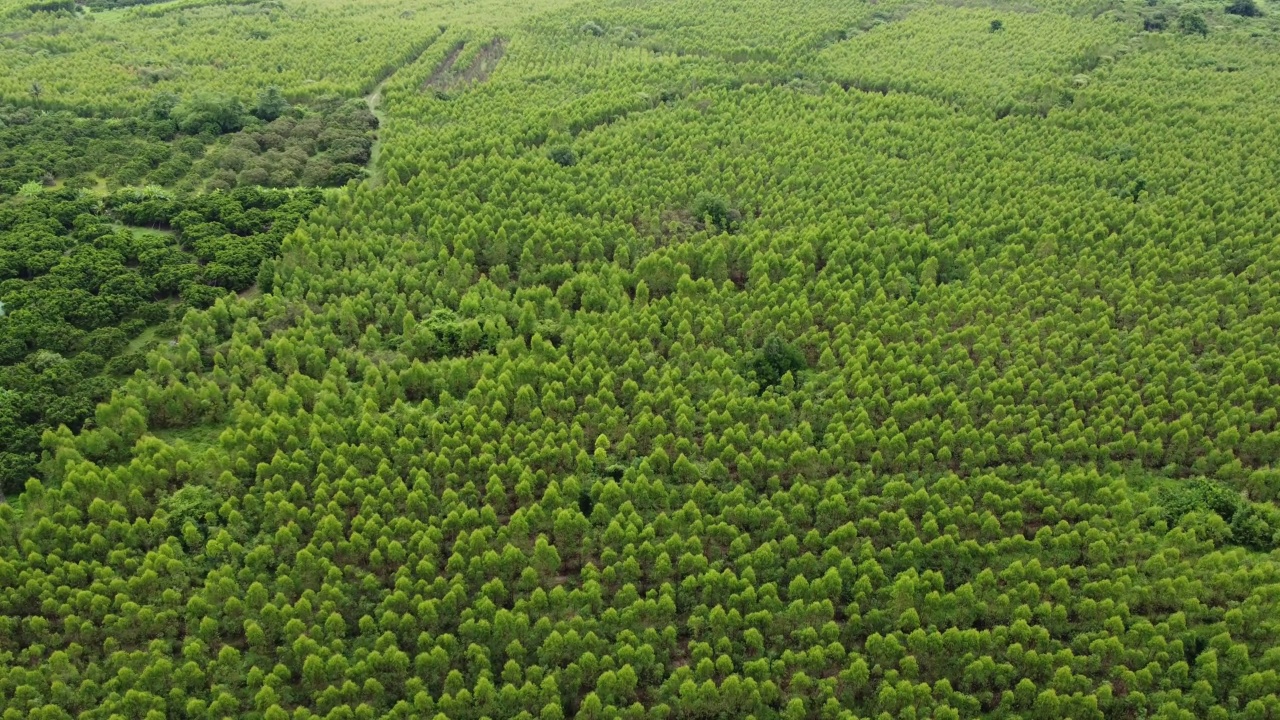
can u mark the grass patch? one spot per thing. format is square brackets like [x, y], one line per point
[198, 437]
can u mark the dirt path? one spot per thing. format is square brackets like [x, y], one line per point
[442, 77]
[484, 63]
[447, 76]
[374, 101]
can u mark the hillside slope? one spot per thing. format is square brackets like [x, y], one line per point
[739, 358]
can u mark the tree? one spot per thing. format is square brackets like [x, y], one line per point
[161, 106]
[271, 104]
[715, 210]
[1193, 23]
[209, 113]
[1244, 8]
[997, 26]
[773, 361]
[957, 512]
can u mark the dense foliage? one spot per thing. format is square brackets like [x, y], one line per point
[78, 290]
[38, 148]
[195, 143]
[326, 145]
[114, 60]
[743, 358]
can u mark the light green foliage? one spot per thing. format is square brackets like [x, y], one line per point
[960, 56]
[963, 404]
[109, 60]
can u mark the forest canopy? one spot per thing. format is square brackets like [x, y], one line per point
[737, 359]
[82, 281]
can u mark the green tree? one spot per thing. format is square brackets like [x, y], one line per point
[271, 104]
[209, 113]
[1193, 23]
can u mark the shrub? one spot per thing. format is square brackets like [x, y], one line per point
[342, 173]
[593, 28]
[191, 504]
[715, 209]
[774, 360]
[563, 155]
[1248, 527]
[52, 7]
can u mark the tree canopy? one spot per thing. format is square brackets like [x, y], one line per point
[749, 359]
